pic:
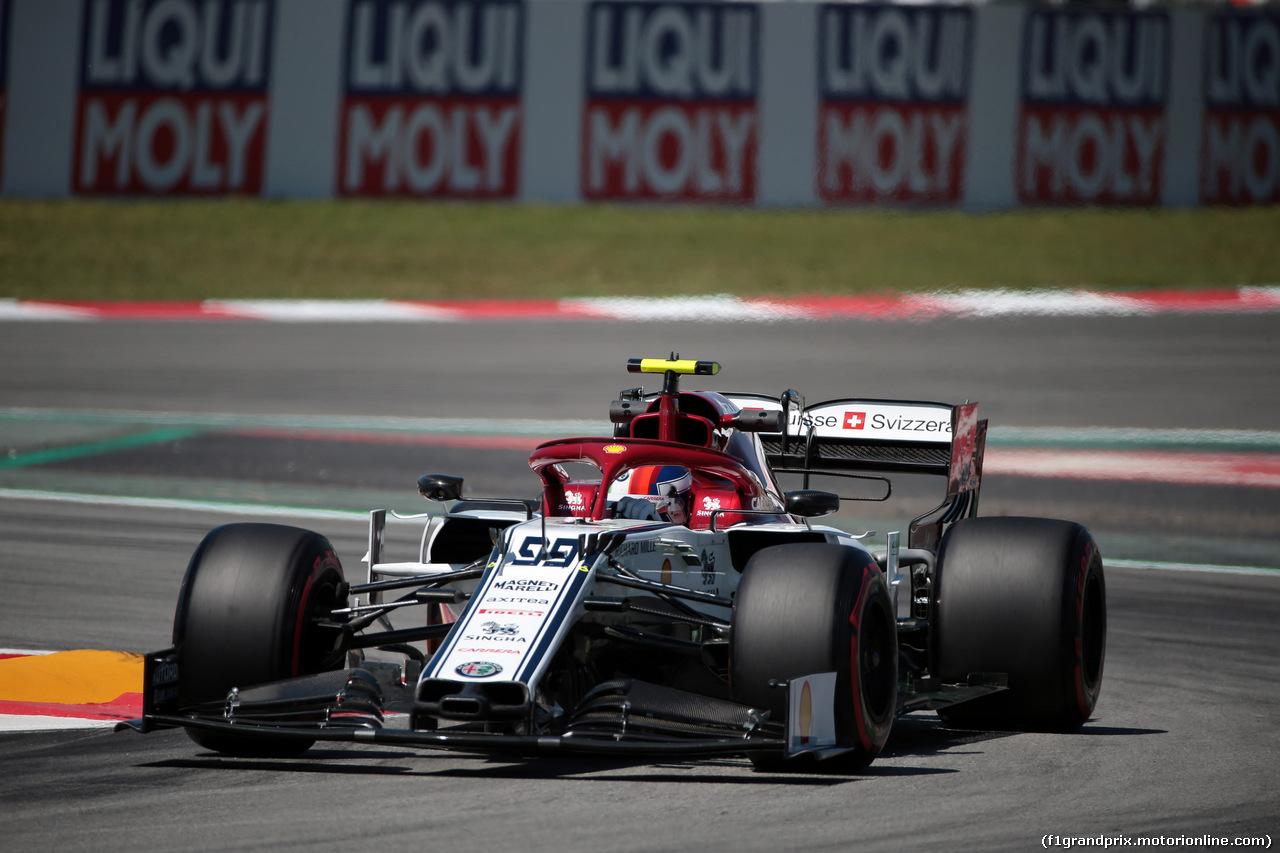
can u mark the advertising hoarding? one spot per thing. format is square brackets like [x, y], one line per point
[893, 85]
[4, 67]
[671, 107]
[172, 97]
[1092, 125]
[431, 99]
[1240, 143]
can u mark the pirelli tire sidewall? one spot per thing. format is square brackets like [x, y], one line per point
[1025, 597]
[814, 607]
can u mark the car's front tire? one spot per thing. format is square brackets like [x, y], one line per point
[810, 608]
[250, 612]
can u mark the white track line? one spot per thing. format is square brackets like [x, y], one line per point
[956, 304]
[180, 504]
[1191, 567]
[12, 723]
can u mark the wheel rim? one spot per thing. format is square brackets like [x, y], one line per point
[876, 669]
[1093, 631]
[314, 641]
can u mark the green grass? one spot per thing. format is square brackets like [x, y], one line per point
[190, 250]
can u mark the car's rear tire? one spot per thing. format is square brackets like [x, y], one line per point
[809, 608]
[249, 613]
[1025, 597]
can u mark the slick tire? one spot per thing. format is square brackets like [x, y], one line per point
[249, 612]
[810, 608]
[1025, 597]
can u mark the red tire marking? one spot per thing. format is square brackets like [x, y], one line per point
[302, 615]
[856, 663]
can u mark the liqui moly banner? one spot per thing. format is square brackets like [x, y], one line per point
[893, 85]
[172, 97]
[671, 104]
[4, 72]
[1092, 125]
[432, 103]
[1240, 145]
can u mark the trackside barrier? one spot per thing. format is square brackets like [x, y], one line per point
[760, 104]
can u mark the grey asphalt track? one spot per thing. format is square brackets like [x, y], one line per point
[1184, 741]
[1189, 372]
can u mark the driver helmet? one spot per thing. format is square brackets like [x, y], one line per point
[665, 486]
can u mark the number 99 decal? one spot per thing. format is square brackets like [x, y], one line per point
[560, 552]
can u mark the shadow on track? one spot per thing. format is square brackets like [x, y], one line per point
[717, 771]
[929, 736]
[912, 737]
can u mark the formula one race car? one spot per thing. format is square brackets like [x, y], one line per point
[672, 600]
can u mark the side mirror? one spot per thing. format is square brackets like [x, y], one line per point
[440, 487]
[812, 503]
[757, 420]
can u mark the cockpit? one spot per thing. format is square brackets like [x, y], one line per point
[704, 436]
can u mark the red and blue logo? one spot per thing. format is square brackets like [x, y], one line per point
[1092, 127]
[671, 110]
[173, 97]
[431, 103]
[1240, 145]
[478, 669]
[893, 86]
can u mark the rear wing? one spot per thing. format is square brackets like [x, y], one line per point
[867, 436]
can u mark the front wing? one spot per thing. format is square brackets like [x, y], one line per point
[345, 706]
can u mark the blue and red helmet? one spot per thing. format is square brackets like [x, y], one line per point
[665, 486]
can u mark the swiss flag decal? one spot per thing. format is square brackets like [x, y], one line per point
[854, 420]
